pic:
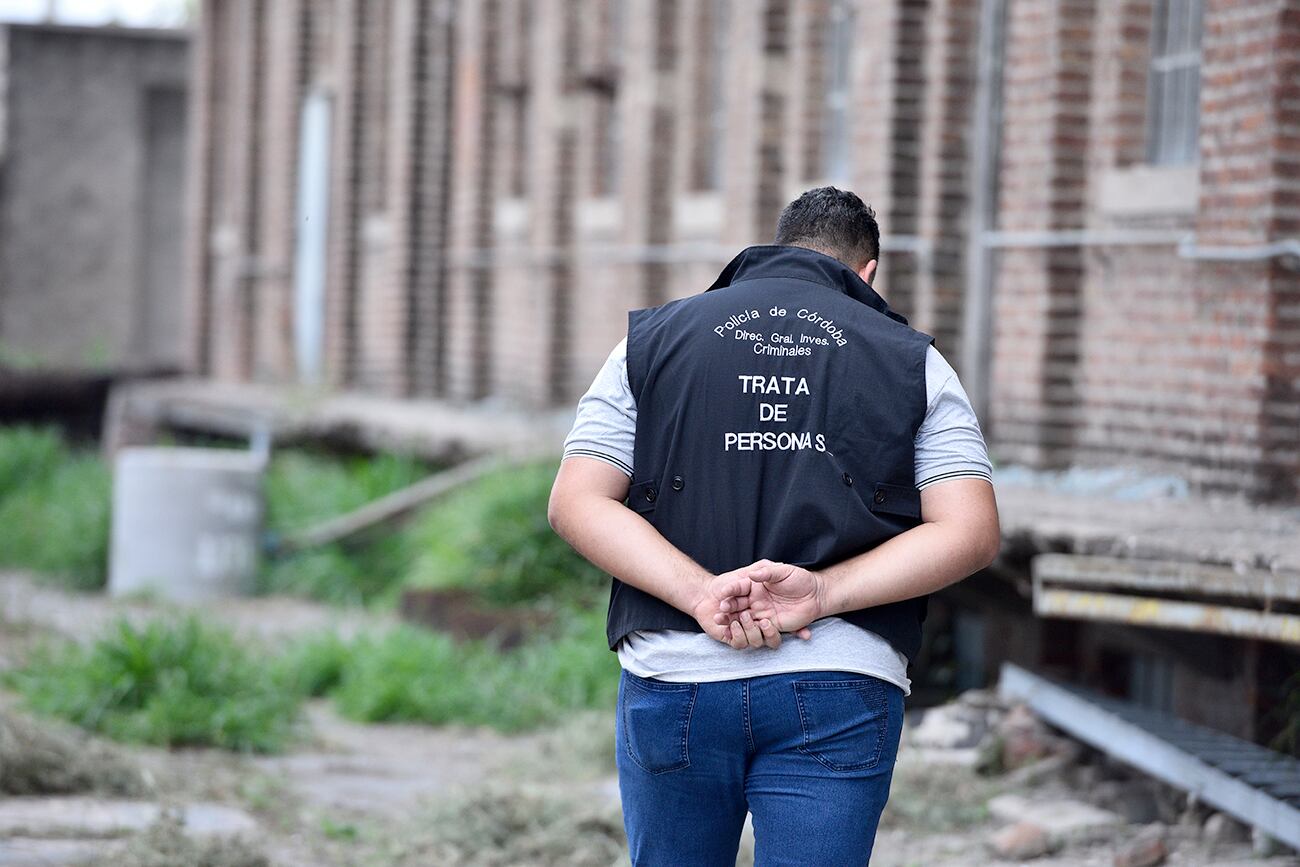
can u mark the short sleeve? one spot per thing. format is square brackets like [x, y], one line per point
[949, 444]
[605, 425]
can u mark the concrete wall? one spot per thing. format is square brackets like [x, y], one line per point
[91, 223]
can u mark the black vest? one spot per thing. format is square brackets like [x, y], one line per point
[776, 417]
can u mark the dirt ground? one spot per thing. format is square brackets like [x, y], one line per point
[408, 794]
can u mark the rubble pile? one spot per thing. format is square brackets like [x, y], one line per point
[1058, 794]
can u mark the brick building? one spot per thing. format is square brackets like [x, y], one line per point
[92, 155]
[1092, 205]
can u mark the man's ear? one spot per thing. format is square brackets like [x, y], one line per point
[867, 271]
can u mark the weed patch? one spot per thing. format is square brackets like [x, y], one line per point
[303, 488]
[409, 674]
[54, 507]
[493, 537]
[170, 683]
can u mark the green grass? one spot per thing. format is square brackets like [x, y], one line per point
[170, 683]
[413, 675]
[493, 537]
[304, 488]
[185, 683]
[55, 515]
[54, 507]
[313, 665]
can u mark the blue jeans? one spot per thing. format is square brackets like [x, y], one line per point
[810, 754]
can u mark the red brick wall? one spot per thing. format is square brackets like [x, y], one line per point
[1034, 408]
[507, 180]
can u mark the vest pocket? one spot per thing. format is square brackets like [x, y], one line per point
[901, 500]
[656, 722]
[642, 496]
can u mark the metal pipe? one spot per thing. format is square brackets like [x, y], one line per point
[1286, 249]
[1081, 238]
[986, 123]
[638, 254]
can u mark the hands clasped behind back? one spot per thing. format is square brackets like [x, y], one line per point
[753, 605]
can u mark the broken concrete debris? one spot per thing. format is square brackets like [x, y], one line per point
[1147, 850]
[1021, 841]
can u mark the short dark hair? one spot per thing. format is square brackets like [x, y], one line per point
[831, 221]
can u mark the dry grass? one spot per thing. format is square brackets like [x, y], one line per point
[50, 759]
[165, 844]
[499, 826]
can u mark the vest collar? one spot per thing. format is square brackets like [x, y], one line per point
[800, 263]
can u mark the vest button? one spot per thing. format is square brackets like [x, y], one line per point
[678, 483]
[848, 480]
[879, 497]
[650, 495]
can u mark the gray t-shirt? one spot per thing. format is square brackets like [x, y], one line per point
[948, 446]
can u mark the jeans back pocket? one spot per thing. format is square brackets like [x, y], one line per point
[845, 722]
[656, 717]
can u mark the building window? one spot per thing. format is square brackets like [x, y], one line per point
[835, 107]
[1174, 84]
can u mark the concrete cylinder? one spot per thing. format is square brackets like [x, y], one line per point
[186, 522]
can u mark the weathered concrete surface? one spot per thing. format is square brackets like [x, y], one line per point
[83, 616]
[1062, 818]
[1043, 512]
[77, 817]
[433, 429]
[384, 769]
[32, 852]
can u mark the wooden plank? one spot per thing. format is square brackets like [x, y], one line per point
[1166, 613]
[1172, 575]
[393, 506]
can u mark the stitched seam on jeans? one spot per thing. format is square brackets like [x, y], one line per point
[656, 685]
[749, 734]
[686, 727]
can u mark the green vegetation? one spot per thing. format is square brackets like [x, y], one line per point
[179, 683]
[493, 537]
[184, 683]
[54, 507]
[417, 676]
[304, 488]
